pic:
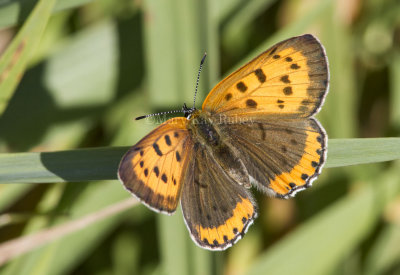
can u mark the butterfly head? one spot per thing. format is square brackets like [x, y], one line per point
[187, 112]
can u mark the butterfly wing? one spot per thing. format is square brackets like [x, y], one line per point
[282, 156]
[154, 168]
[216, 209]
[289, 79]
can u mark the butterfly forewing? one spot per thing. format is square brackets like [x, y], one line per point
[290, 79]
[153, 169]
[216, 209]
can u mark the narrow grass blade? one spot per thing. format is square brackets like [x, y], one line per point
[14, 60]
[174, 49]
[345, 152]
[16, 11]
[102, 163]
[15, 248]
[70, 166]
[174, 250]
[343, 79]
[77, 201]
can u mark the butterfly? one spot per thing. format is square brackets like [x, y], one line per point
[256, 128]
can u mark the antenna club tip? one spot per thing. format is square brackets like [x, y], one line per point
[204, 58]
[140, 117]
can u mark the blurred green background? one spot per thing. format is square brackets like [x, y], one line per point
[101, 63]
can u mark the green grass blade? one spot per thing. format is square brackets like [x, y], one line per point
[174, 51]
[73, 165]
[345, 152]
[79, 204]
[102, 163]
[16, 11]
[14, 248]
[173, 244]
[343, 81]
[14, 60]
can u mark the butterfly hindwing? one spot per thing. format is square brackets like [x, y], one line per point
[290, 79]
[216, 209]
[282, 156]
[153, 169]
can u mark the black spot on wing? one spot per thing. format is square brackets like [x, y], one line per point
[228, 96]
[178, 156]
[157, 149]
[156, 171]
[241, 87]
[167, 140]
[251, 103]
[287, 90]
[285, 79]
[260, 75]
[294, 66]
[280, 103]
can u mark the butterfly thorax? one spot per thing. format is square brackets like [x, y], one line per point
[206, 135]
[202, 129]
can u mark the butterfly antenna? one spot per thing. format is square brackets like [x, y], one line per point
[159, 114]
[198, 79]
[185, 110]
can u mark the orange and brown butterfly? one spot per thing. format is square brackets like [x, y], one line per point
[256, 127]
